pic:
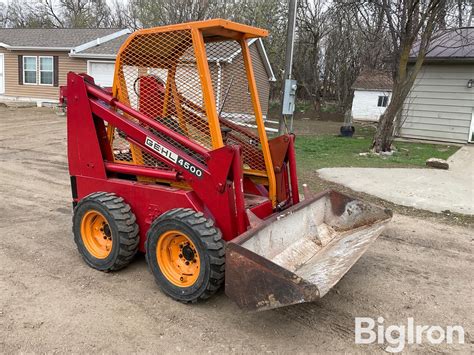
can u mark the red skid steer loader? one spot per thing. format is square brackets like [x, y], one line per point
[175, 162]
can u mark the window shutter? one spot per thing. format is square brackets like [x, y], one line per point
[20, 70]
[56, 70]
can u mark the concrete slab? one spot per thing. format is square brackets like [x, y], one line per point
[428, 189]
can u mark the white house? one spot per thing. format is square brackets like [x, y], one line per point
[372, 92]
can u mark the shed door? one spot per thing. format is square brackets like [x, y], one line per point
[2, 74]
[102, 72]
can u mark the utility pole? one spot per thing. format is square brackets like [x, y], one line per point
[289, 91]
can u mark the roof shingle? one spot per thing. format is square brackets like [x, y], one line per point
[215, 50]
[51, 37]
[373, 80]
[451, 45]
[109, 48]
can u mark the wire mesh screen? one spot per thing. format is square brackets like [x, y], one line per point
[233, 101]
[158, 76]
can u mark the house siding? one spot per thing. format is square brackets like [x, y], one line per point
[238, 100]
[14, 90]
[440, 106]
[364, 105]
[261, 78]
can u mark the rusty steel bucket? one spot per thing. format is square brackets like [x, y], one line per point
[299, 255]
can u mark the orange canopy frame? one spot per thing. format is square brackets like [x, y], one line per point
[176, 57]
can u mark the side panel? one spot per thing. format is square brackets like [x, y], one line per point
[213, 191]
[147, 201]
[440, 104]
[84, 153]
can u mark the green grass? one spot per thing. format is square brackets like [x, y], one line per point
[315, 152]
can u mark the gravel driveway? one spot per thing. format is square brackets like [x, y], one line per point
[50, 301]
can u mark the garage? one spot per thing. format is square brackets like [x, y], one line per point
[101, 71]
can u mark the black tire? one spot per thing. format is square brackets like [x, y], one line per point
[123, 230]
[210, 247]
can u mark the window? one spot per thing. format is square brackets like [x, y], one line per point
[383, 101]
[46, 70]
[41, 67]
[29, 70]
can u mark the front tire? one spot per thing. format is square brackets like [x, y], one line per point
[186, 255]
[105, 231]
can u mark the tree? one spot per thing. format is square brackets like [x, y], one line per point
[335, 39]
[409, 22]
[271, 15]
[26, 14]
[121, 15]
[354, 42]
[406, 23]
[313, 27]
[84, 13]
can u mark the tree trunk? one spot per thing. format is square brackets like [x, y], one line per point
[384, 135]
[317, 105]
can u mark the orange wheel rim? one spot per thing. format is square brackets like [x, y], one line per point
[178, 258]
[96, 234]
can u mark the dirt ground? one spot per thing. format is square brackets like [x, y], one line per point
[50, 301]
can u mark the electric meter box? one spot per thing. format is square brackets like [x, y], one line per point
[289, 97]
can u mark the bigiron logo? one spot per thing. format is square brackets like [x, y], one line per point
[397, 336]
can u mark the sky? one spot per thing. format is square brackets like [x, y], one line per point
[108, 1]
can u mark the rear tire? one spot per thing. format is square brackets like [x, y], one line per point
[105, 231]
[186, 255]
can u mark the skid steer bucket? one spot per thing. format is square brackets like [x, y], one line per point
[299, 255]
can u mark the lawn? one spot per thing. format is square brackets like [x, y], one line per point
[322, 151]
